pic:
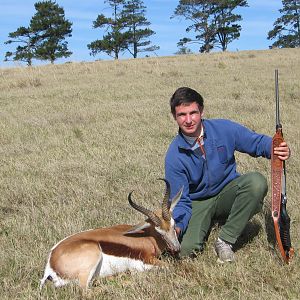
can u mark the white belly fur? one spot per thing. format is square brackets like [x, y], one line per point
[113, 264]
[108, 265]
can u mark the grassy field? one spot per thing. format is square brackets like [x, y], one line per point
[75, 139]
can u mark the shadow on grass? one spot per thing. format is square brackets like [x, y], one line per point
[7, 210]
[254, 227]
[270, 232]
[269, 227]
[251, 230]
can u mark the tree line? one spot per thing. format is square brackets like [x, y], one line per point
[214, 24]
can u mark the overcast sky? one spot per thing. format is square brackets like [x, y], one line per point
[258, 19]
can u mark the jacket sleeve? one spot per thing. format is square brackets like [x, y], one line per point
[177, 178]
[250, 142]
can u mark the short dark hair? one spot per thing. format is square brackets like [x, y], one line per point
[185, 95]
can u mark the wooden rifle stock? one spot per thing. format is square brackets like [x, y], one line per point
[279, 214]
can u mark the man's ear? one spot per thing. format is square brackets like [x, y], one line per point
[201, 111]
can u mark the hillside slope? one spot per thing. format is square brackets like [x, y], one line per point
[76, 138]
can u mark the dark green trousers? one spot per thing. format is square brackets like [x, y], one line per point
[236, 204]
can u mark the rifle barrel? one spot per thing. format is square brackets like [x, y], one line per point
[278, 125]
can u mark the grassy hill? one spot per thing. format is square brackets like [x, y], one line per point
[76, 138]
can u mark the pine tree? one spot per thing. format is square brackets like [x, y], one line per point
[44, 37]
[183, 51]
[226, 27]
[115, 41]
[213, 21]
[23, 36]
[138, 33]
[198, 12]
[286, 29]
[51, 29]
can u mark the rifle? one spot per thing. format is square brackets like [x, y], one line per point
[280, 216]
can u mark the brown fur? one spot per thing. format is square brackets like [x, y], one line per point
[78, 254]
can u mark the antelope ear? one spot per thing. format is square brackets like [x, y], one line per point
[138, 227]
[176, 199]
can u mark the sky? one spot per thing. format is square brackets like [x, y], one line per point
[258, 20]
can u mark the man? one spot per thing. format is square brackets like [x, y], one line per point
[201, 159]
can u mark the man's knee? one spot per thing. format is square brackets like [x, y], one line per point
[257, 187]
[258, 184]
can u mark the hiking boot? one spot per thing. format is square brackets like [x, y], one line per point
[224, 251]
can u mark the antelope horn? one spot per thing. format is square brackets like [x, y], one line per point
[151, 215]
[176, 199]
[166, 204]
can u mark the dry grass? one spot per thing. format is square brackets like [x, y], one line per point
[76, 138]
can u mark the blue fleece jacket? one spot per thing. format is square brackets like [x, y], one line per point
[201, 177]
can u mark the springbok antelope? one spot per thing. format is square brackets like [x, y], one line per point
[106, 251]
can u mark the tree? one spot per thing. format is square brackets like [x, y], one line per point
[226, 26]
[198, 14]
[51, 28]
[286, 29]
[115, 41]
[213, 21]
[43, 38]
[183, 51]
[134, 17]
[24, 36]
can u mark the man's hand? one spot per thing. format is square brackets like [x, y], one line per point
[178, 230]
[283, 151]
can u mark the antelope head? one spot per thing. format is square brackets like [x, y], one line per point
[162, 219]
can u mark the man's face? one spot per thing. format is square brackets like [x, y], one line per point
[188, 117]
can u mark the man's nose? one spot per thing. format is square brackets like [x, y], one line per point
[188, 119]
